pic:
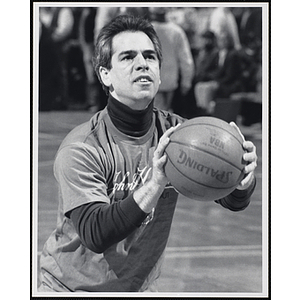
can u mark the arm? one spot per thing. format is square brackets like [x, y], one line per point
[239, 199]
[100, 225]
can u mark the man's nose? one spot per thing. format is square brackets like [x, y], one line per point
[141, 62]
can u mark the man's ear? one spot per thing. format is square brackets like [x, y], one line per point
[104, 73]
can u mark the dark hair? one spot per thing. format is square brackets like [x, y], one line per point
[103, 48]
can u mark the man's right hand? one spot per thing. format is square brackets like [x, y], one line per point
[147, 196]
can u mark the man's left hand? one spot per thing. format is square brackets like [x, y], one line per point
[250, 158]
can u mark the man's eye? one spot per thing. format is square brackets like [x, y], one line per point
[127, 58]
[151, 57]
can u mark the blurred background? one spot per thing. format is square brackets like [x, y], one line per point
[212, 66]
[212, 62]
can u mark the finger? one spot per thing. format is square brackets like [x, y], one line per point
[237, 129]
[250, 167]
[170, 130]
[249, 146]
[246, 180]
[250, 157]
[161, 147]
[162, 161]
[164, 141]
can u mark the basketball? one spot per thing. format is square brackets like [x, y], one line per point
[205, 159]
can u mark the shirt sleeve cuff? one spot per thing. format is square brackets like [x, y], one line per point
[239, 199]
[242, 194]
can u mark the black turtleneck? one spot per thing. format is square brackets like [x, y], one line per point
[129, 121]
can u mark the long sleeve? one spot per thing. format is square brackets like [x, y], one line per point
[239, 199]
[100, 225]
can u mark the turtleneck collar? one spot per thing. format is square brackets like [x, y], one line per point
[129, 121]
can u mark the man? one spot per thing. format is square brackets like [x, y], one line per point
[115, 204]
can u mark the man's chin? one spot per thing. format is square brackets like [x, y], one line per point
[139, 100]
[144, 96]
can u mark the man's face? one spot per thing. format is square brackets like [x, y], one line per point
[135, 76]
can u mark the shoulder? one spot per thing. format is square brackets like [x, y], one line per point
[166, 119]
[174, 26]
[84, 137]
[83, 133]
[170, 27]
[178, 31]
[80, 158]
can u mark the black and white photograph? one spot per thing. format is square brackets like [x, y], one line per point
[150, 149]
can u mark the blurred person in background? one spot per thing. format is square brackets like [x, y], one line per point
[226, 78]
[76, 71]
[207, 64]
[55, 27]
[207, 59]
[229, 74]
[178, 66]
[250, 30]
[86, 27]
[249, 21]
[222, 19]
